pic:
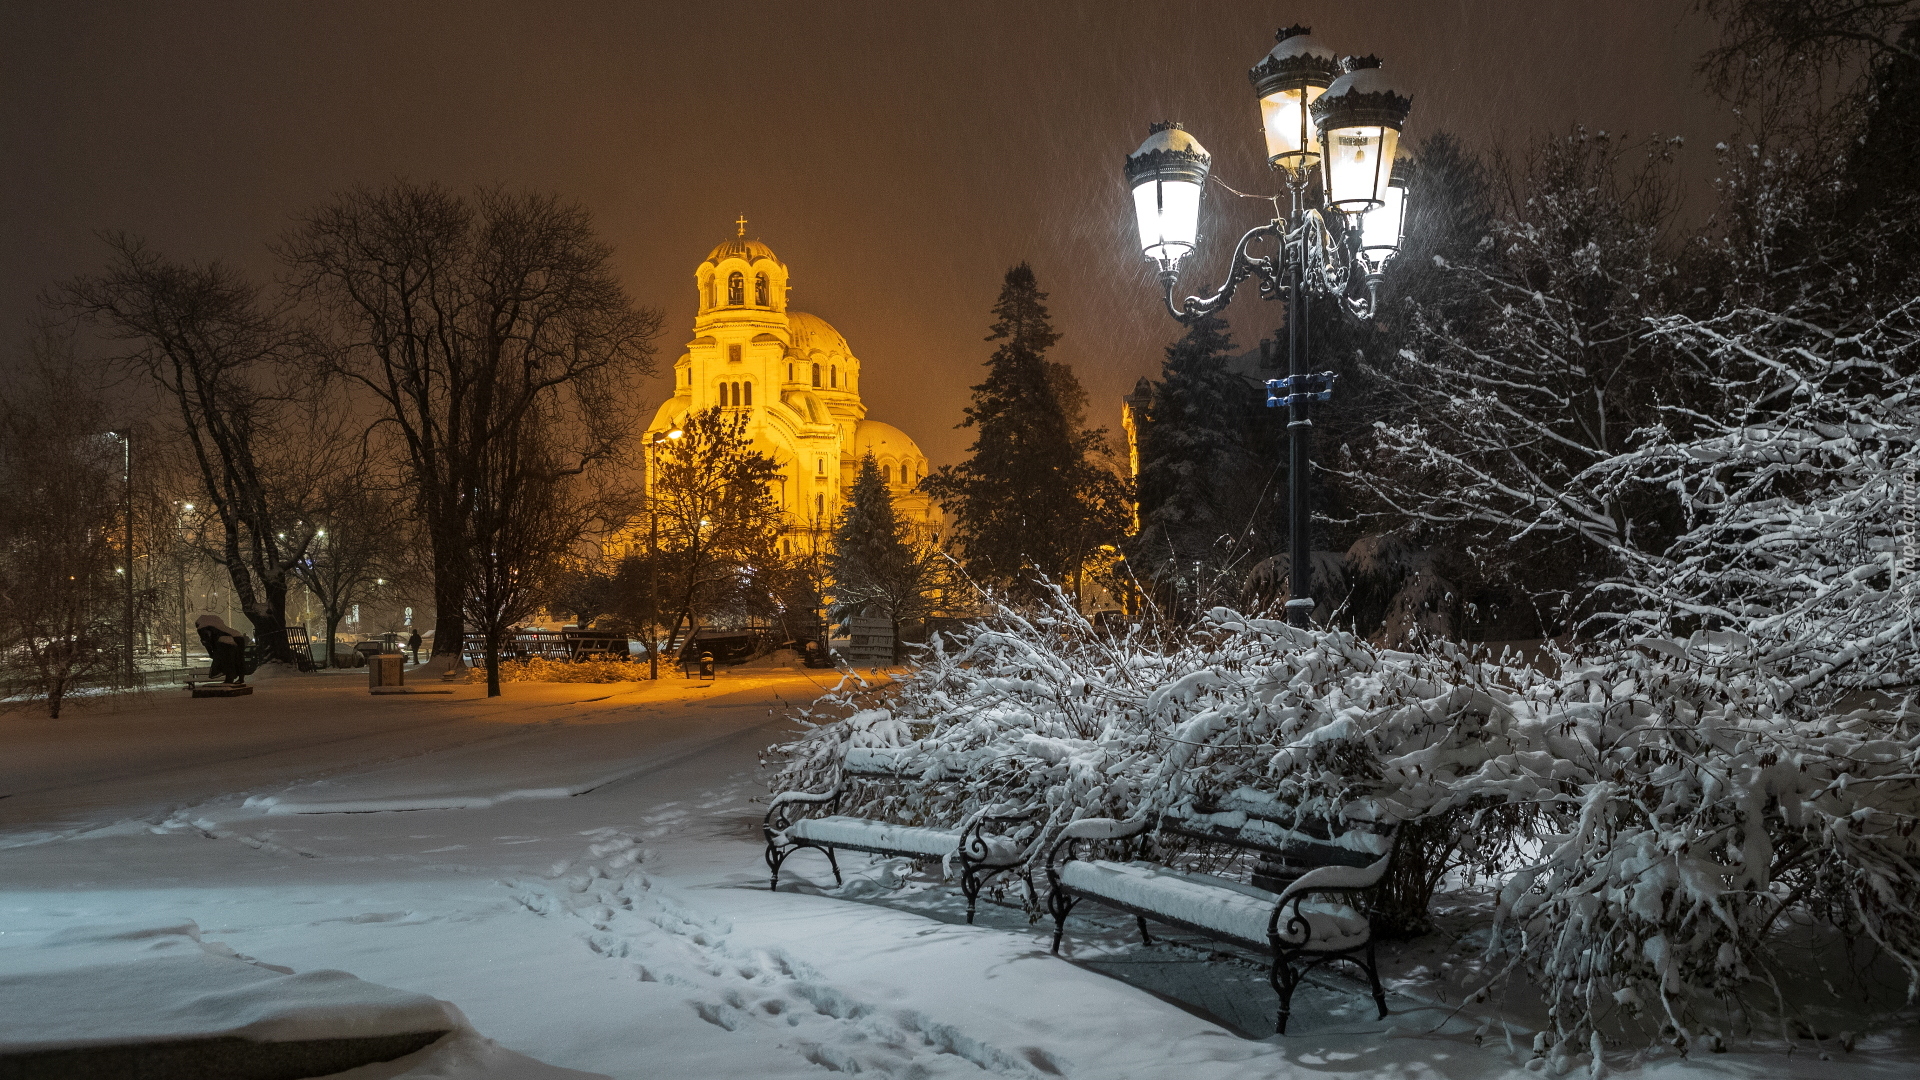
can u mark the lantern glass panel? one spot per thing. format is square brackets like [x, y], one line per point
[1359, 160]
[1292, 140]
[1168, 212]
[1382, 227]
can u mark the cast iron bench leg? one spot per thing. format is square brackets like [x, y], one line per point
[1373, 977]
[970, 884]
[1145, 939]
[1284, 979]
[1059, 903]
[774, 858]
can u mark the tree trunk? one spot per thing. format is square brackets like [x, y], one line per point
[678, 618]
[269, 632]
[493, 663]
[449, 629]
[333, 627]
[277, 611]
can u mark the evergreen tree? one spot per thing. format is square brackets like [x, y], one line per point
[878, 569]
[1199, 484]
[1032, 498]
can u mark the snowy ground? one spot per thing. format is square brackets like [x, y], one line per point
[577, 869]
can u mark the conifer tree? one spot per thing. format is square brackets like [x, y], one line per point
[1031, 499]
[878, 568]
[1199, 485]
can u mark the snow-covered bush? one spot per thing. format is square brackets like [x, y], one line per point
[1657, 815]
[541, 669]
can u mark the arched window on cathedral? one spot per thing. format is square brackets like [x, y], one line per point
[789, 372]
[712, 284]
[835, 374]
[820, 466]
[747, 389]
[736, 288]
[760, 289]
[819, 507]
[816, 374]
[886, 474]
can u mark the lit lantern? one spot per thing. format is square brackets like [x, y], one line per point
[1287, 80]
[1359, 117]
[1166, 175]
[1383, 227]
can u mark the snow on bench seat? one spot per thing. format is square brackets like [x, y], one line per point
[1228, 908]
[863, 834]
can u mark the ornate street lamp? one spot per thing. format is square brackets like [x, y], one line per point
[1287, 81]
[1332, 128]
[1167, 175]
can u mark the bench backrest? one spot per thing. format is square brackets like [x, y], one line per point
[1257, 822]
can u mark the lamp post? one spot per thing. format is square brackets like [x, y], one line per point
[653, 553]
[1332, 127]
[126, 478]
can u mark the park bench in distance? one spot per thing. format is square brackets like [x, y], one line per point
[981, 853]
[1308, 904]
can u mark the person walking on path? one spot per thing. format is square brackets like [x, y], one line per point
[413, 647]
[226, 646]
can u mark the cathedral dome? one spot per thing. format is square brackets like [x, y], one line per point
[811, 332]
[885, 442]
[741, 248]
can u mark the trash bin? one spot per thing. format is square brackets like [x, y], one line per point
[706, 667]
[386, 669]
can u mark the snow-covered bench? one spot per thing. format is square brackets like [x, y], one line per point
[979, 850]
[1308, 902]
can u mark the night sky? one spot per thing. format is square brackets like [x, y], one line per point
[898, 157]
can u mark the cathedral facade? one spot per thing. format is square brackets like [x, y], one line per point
[798, 382]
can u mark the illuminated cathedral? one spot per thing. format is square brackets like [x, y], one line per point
[799, 384]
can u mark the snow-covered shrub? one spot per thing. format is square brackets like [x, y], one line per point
[541, 669]
[1658, 815]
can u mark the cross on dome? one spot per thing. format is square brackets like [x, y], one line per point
[742, 222]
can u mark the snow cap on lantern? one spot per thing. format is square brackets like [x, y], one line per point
[1287, 81]
[1360, 117]
[1167, 174]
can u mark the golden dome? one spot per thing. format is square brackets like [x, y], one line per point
[742, 248]
[811, 332]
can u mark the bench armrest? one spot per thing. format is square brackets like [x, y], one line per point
[779, 817]
[1322, 880]
[1337, 879]
[1074, 833]
[976, 847]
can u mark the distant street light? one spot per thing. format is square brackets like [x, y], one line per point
[1324, 119]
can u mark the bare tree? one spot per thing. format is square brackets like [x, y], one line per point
[207, 339]
[63, 551]
[357, 536]
[719, 526]
[529, 508]
[461, 318]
